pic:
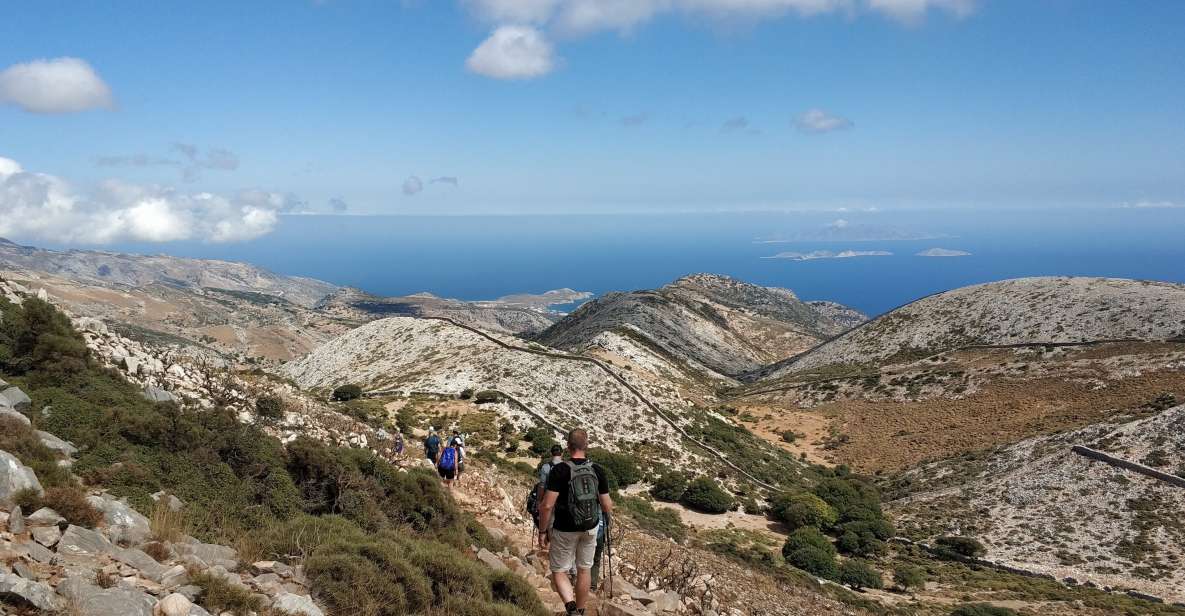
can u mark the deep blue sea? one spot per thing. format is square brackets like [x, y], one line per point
[484, 257]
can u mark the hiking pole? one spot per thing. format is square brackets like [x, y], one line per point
[609, 553]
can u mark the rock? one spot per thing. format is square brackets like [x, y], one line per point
[173, 605]
[15, 477]
[124, 524]
[491, 560]
[95, 601]
[617, 609]
[24, 571]
[45, 517]
[65, 447]
[140, 561]
[157, 394]
[16, 521]
[624, 587]
[17, 398]
[173, 502]
[90, 324]
[211, 554]
[36, 594]
[264, 566]
[35, 550]
[173, 576]
[498, 535]
[668, 601]
[189, 591]
[14, 414]
[296, 604]
[43, 295]
[47, 536]
[78, 541]
[132, 365]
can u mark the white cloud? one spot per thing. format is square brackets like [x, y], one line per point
[819, 121]
[838, 223]
[513, 52]
[913, 11]
[42, 206]
[1151, 205]
[60, 85]
[412, 185]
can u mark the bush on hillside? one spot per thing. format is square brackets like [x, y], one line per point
[859, 575]
[859, 544]
[345, 393]
[621, 470]
[69, 501]
[803, 509]
[669, 486]
[807, 537]
[706, 496]
[906, 577]
[269, 407]
[220, 596]
[967, 547]
[488, 396]
[661, 521]
[38, 340]
[541, 440]
[814, 561]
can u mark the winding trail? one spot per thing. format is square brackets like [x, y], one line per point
[617, 377]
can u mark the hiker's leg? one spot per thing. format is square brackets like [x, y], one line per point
[586, 548]
[563, 586]
[561, 554]
[596, 568]
[583, 585]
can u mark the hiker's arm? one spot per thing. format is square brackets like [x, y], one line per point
[606, 503]
[546, 506]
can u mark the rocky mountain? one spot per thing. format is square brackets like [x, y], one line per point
[713, 325]
[126, 270]
[1025, 310]
[1044, 506]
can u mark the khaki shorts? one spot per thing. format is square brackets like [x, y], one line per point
[568, 549]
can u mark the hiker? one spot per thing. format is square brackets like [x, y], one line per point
[432, 445]
[544, 469]
[577, 493]
[456, 439]
[397, 445]
[602, 537]
[449, 465]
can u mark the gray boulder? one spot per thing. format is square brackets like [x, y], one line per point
[64, 447]
[141, 561]
[211, 554]
[15, 477]
[17, 398]
[491, 560]
[157, 394]
[19, 590]
[45, 517]
[14, 414]
[297, 604]
[16, 521]
[78, 541]
[95, 601]
[34, 550]
[47, 536]
[124, 524]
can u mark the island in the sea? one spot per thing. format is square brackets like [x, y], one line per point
[942, 252]
[828, 254]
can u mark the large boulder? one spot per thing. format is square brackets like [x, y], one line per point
[211, 554]
[296, 604]
[66, 448]
[17, 398]
[15, 477]
[157, 394]
[95, 601]
[124, 524]
[14, 414]
[79, 541]
[18, 590]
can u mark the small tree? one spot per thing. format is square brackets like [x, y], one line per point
[803, 509]
[346, 393]
[960, 546]
[807, 537]
[906, 577]
[670, 486]
[269, 406]
[859, 575]
[982, 609]
[706, 496]
[814, 561]
[621, 470]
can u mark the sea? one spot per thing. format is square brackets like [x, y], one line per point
[484, 257]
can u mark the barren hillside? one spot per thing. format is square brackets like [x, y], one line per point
[1024, 310]
[713, 324]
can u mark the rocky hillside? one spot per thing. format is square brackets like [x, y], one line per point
[1041, 506]
[418, 355]
[127, 270]
[712, 324]
[1024, 310]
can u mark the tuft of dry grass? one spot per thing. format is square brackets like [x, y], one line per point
[167, 525]
[159, 551]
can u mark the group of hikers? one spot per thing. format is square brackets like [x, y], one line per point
[448, 459]
[569, 505]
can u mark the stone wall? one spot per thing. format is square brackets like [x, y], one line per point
[1134, 467]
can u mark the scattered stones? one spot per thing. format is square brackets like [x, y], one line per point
[78, 541]
[297, 604]
[124, 524]
[36, 594]
[173, 605]
[156, 394]
[17, 399]
[45, 517]
[491, 560]
[64, 447]
[94, 601]
[211, 554]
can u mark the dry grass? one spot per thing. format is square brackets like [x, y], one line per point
[167, 525]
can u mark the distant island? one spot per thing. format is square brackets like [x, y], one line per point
[827, 254]
[943, 252]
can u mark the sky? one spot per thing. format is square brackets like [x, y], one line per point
[163, 122]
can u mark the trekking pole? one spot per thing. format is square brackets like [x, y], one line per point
[609, 553]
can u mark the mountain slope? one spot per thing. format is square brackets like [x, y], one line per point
[1024, 310]
[1040, 506]
[712, 324]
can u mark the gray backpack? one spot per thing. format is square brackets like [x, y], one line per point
[583, 496]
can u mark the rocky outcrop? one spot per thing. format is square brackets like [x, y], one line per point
[15, 477]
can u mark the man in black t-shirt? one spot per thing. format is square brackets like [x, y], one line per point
[569, 542]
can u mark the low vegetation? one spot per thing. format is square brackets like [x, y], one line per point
[660, 521]
[706, 496]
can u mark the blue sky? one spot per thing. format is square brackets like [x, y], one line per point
[694, 105]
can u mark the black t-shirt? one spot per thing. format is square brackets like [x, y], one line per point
[557, 481]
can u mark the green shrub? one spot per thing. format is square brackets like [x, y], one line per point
[655, 520]
[669, 486]
[807, 537]
[69, 501]
[814, 561]
[218, 596]
[857, 543]
[620, 470]
[706, 496]
[803, 509]
[982, 609]
[488, 396]
[37, 340]
[962, 546]
[789, 436]
[368, 578]
[513, 590]
[541, 440]
[859, 575]
[906, 577]
[269, 407]
[348, 392]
